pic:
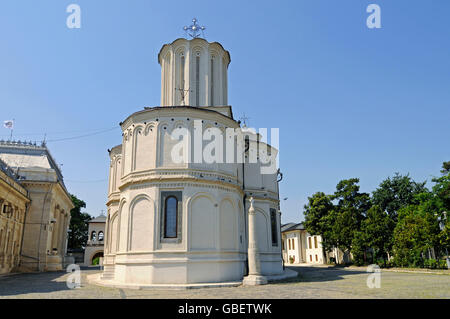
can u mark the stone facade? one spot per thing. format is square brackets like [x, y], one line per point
[14, 202]
[47, 220]
[187, 223]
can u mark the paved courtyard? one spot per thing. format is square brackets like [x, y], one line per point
[312, 282]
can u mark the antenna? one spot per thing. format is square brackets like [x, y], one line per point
[183, 94]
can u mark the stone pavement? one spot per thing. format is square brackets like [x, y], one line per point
[313, 282]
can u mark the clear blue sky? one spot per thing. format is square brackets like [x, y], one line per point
[349, 101]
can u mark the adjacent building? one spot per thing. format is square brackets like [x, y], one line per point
[44, 223]
[299, 247]
[96, 241]
[14, 203]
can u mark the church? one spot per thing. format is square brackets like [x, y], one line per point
[195, 221]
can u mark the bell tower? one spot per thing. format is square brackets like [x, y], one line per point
[194, 72]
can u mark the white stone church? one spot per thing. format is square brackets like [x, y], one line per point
[190, 222]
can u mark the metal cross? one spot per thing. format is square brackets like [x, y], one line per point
[244, 119]
[183, 94]
[194, 29]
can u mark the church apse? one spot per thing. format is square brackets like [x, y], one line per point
[185, 222]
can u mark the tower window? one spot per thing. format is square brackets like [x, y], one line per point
[100, 236]
[93, 236]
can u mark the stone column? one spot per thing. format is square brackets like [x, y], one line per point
[254, 265]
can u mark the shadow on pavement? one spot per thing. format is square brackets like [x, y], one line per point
[27, 283]
[320, 274]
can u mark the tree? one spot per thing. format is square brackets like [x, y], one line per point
[416, 233]
[78, 235]
[445, 168]
[348, 214]
[393, 194]
[316, 222]
[376, 234]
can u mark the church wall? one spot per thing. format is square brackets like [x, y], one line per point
[270, 255]
[206, 214]
[203, 221]
[229, 223]
[123, 227]
[142, 222]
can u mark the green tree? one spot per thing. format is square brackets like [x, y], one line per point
[359, 248]
[441, 205]
[416, 233]
[445, 168]
[348, 214]
[78, 235]
[376, 235]
[397, 192]
[316, 222]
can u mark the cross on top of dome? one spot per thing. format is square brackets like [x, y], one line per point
[194, 29]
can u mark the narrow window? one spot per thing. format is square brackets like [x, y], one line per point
[93, 236]
[100, 236]
[315, 242]
[170, 217]
[289, 242]
[182, 72]
[197, 79]
[309, 243]
[293, 243]
[212, 81]
[273, 222]
[310, 258]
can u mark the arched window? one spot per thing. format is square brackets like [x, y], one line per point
[170, 217]
[100, 236]
[93, 236]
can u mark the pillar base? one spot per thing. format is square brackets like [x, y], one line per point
[254, 280]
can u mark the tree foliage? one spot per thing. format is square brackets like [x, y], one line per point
[402, 219]
[78, 235]
[348, 213]
[397, 192]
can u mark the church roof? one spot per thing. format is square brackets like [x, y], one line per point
[188, 108]
[98, 219]
[292, 226]
[26, 155]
